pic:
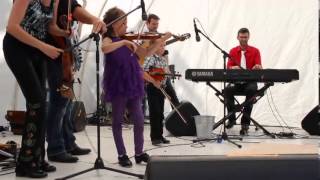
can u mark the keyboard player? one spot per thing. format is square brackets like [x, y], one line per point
[248, 57]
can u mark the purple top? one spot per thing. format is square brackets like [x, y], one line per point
[122, 75]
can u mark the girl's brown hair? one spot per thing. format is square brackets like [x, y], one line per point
[110, 16]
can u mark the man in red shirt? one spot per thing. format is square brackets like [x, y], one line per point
[247, 57]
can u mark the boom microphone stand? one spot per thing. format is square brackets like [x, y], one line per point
[99, 162]
[224, 135]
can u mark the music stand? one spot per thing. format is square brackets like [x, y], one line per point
[99, 162]
[224, 135]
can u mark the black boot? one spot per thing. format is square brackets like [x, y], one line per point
[124, 161]
[28, 171]
[64, 158]
[144, 157]
[46, 167]
[165, 141]
[230, 124]
[79, 151]
[244, 130]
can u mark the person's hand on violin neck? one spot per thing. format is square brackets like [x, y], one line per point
[166, 36]
[155, 45]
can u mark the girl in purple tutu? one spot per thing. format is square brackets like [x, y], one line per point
[123, 82]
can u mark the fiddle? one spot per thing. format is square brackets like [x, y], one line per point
[175, 39]
[159, 74]
[144, 36]
[67, 56]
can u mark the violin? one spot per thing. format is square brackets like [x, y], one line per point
[144, 36]
[175, 39]
[159, 74]
[67, 56]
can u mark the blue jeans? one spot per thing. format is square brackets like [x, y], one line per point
[60, 136]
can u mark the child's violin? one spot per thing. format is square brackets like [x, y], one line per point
[144, 36]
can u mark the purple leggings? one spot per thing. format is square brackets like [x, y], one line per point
[119, 105]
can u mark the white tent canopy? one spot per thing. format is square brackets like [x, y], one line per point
[285, 31]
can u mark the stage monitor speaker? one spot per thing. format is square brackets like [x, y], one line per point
[311, 123]
[282, 167]
[175, 124]
[78, 116]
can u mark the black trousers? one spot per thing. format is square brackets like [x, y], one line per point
[156, 108]
[247, 89]
[169, 90]
[29, 68]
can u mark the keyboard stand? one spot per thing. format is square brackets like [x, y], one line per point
[257, 96]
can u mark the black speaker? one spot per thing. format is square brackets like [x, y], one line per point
[311, 123]
[293, 167]
[175, 124]
[78, 116]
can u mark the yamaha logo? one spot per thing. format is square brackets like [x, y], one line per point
[203, 73]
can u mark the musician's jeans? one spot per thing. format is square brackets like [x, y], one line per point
[60, 136]
[119, 105]
[247, 89]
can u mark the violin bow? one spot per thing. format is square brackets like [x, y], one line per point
[174, 107]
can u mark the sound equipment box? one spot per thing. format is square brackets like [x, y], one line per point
[311, 123]
[175, 125]
[78, 116]
[282, 167]
[16, 120]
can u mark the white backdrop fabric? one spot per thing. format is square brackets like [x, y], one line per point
[285, 31]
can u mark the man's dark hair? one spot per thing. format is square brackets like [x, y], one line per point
[152, 16]
[243, 30]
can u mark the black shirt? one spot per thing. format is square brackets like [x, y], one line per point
[62, 11]
[63, 8]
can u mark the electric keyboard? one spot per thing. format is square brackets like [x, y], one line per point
[240, 75]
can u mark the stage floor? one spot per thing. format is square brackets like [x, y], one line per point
[256, 143]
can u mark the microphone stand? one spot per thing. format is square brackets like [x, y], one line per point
[99, 161]
[224, 135]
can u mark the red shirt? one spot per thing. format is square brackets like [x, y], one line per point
[252, 55]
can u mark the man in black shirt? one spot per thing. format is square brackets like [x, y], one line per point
[60, 138]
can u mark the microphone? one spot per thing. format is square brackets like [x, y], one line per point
[143, 10]
[196, 30]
